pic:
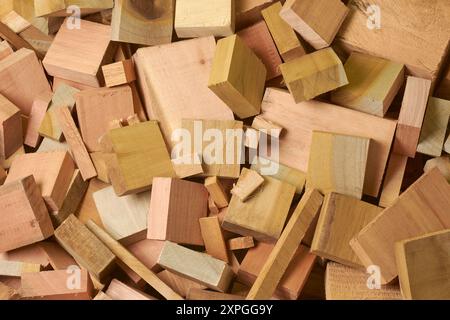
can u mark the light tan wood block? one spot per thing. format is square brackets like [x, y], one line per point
[85, 248]
[443, 165]
[316, 21]
[237, 77]
[15, 21]
[16, 268]
[217, 192]
[373, 84]
[264, 214]
[314, 74]
[240, 243]
[49, 145]
[393, 180]
[58, 8]
[118, 290]
[284, 36]
[179, 284]
[175, 208]
[197, 266]
[411, 116]
[346, 283]
[201, 18]
[187, 166]
[213, 238]
[423, 265]
[267, 127]
[11, 138]
[421, 209]
[248, 183]
[37, 115]
[8, 293]
[5, 49]
[251, 138]
[119, 73]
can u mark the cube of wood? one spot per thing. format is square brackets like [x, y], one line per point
[23, 215]
[201, 18]
[96, 108]
[423, 265]
[53, 172]
[11, 137]
[118, 73]
[240, 81]
[373, 84]
[317, 21]
[314, 74]
[58, 8]
[175, 208]
[5, 49]
[337, 163]
[77, 54]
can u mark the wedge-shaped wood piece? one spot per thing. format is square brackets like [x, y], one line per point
[346, 283]
[373, 84]
[443, 165]
[284, 36]
[316, 21]
[5, 49]
[53, 172]
[57, 285]
[200, 18]
[37, 115]
[132, 262]
[213, 238]
[143, 22]
[8, 293]
[217, 192]
[248, 183]
[264, 214]
[286, 246]
[197, 266]
[267, 127]
[393, 180]
[175, 208]
[341, 218]
[77, 54]
[300, 120]
[22, 79]
[411, 116]
[423, 265]
[179, 284]
[421, 209]
[11, 137]
[124, 218]
[118, 290]
[238, 76]
[337, 163]
[59, 8]
[16, 268]
[118, 73]
[434, 128]
[85, 248]
[313, 74]
[241, 243]
[200, 294]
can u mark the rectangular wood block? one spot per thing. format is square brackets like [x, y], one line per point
[85, 247]
[58, 8]
[37, 115]
[217, 192]
[197, 266]
[238, 76]
[77, 54]
[11, 137]
[118, 73]
[240, 243]
[175, 208]
[421, 209]
[24, 219]
[200, 18]
[373, 84]
[16, 268]
[179, 284]
[393, 180]
[300, 120]
[314, 74]
[213, 238]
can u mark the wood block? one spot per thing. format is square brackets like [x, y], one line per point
[15, 21]
[443, 165]
[411, 116]
[421, 209]
[58, 7]
[87, 210]
[346, 283]
[60, 81]
[99, 159]
[373, 84]
[264, 214]
[37, 115]
[257, 37]
[341, 218]
[248, 12]
[15, 40]
[434, 128]
[39, 41]
[124, 218]
[53, 172]
[240, 243]
[200, 294]
[423, 265]
[267, 127]
[393, 180]
[240, 81]
[286, 247]
[5, 49]
[6, 163]
[404, 46]
[53, 285]
[201, 18]
[22, 79]
[197, 266]
[11, 137]
[188, 166]
[302, 119]
[248, 183]
[175, 209]
[217, 192]
[316, 21]
[16, 268]
[73, 138]
[118, 73]
[48, 145]
[293, 280]
[58, 257]
[213, 238]
[77, 54]
[85, 248]
[284, 36]
[180, 285]
[251, 138]
[140, 154]
[118, 290]
[134, 264]
[181, 67]
[314, 74]
[32, 253]
[447, 145]
[143, 22]
[8, 293]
